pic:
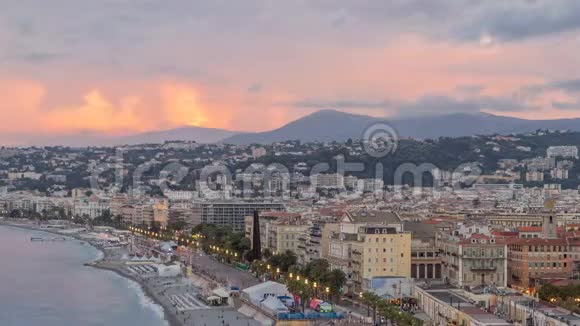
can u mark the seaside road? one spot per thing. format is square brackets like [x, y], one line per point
[222, 273]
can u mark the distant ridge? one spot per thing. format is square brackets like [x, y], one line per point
[328, 125]
[198, 134]
[325, 125]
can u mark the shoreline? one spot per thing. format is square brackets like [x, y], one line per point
[99, 263]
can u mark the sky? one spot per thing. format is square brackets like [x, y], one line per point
[129, 66]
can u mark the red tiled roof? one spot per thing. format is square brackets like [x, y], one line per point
[530, 229]
[540, 241]
[505, 233]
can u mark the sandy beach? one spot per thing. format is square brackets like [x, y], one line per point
[176, 295]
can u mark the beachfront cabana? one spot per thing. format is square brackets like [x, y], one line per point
[169, 270]
[258, 293]
[223, 294]
[274, 306]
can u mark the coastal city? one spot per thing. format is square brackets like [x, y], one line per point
[290, 163]
[262, 235]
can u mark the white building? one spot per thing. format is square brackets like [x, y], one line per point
[534, 176]
[562, 151]
[559, 173]
[333, 180]
[174, 195]
[24, 175]
[258, 152]
[92, 207]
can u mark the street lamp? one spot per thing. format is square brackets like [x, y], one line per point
[290, 275]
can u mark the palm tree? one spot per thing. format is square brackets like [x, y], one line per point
[305, 291]
[335, 280]
[371, 300]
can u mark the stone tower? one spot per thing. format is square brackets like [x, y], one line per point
[549, 223]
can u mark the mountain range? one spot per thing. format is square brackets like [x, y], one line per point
[330, 125]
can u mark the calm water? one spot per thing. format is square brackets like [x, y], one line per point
[46, 284]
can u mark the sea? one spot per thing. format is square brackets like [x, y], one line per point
[45, 283]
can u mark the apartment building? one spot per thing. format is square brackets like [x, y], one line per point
[473, 257]
[532, 261]
[279, 231]
[425, 257]
[232, 213]
[367, 245]
[321, 180]
[309, 246]
[91, 207]
[182, 212]
[562, 151]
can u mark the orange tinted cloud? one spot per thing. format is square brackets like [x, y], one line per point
[181, 106]
[97, 113]
[402, 71]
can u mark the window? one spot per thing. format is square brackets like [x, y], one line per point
[384, 249]
[402, 255]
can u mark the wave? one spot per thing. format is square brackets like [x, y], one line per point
[99, 255]
[146, 301]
